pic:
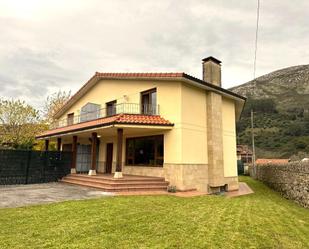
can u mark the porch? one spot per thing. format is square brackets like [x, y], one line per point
[113, 146]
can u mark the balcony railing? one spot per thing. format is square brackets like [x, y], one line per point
[123, 108]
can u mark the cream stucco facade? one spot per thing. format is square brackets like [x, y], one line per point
[187, 162]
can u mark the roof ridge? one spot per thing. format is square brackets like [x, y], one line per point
[171, 74]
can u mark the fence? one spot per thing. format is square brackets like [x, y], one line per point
[24, 167]
[291, 180]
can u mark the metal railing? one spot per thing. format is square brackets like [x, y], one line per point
[123, 108]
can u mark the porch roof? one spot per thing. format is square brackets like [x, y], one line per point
[124, 119]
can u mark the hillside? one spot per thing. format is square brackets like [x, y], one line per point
[280, 101]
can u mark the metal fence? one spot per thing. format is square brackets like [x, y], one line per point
[25, 167]
[122, 108]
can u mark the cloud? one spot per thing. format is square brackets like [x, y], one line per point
[50, 45]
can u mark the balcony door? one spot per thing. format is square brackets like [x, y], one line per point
[149, 102]
[70, 118]
[111, 108]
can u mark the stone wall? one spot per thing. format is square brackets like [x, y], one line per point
[291, 180]
[143, 171]
[187, 176]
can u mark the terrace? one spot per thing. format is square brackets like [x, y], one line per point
[111, 110]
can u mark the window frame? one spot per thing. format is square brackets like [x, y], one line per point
[111, 105]
[70, 118]
[144, 109]
[156, 139]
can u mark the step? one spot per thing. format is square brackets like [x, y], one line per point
[116, 183]
[116, 189]
[130, 178]
[123, 184]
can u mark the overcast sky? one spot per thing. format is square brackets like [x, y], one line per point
[48, 45]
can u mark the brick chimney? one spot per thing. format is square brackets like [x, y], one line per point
[212, 70]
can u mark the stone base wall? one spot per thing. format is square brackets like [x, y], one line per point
[187, 176]
[143, 171]
[291, 180]
[231, 183]
[184, 176]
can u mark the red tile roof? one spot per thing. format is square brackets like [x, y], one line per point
[243, 149]
[262, 161]
[133, 119]
[139, 75]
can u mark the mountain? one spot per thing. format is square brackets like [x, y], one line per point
[280, 101]
[288, 87]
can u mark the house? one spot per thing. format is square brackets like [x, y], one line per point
[244, 154]
[169, 125]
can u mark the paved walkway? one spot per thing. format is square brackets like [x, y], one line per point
[244, 189]
[32, 194]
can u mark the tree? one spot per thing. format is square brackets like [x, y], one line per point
[19, 123]
[262, 105]
[53, 104]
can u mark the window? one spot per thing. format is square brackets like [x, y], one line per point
[89, 111]
[149, 102]
[111, 108]
[145, 151]
[246, 158]
[70, 118]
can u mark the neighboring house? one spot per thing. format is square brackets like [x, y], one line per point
[169, 125]
[244, 154]
[244, 157]
[263, 161]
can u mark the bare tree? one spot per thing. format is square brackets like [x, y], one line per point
[54, 103]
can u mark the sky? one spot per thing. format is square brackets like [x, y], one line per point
[48, 45]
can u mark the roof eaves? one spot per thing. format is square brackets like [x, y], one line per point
[65, 106]
[207, 84]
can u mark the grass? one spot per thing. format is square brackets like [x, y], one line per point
[260, 220]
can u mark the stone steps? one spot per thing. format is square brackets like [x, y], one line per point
[111, 179]
[117, 185]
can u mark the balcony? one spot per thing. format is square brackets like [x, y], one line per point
[123, 108]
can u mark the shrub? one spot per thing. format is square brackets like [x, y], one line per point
[171, 189]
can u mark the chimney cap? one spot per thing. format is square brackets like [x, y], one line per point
[211, 58]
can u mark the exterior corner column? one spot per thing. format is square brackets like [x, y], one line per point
[215, 142]
[59, 144]
[94, 141]
[118, 173]
[74, 155]
[46, 145]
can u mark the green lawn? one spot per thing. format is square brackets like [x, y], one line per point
[260, 220]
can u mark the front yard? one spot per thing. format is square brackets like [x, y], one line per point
[260, 220]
